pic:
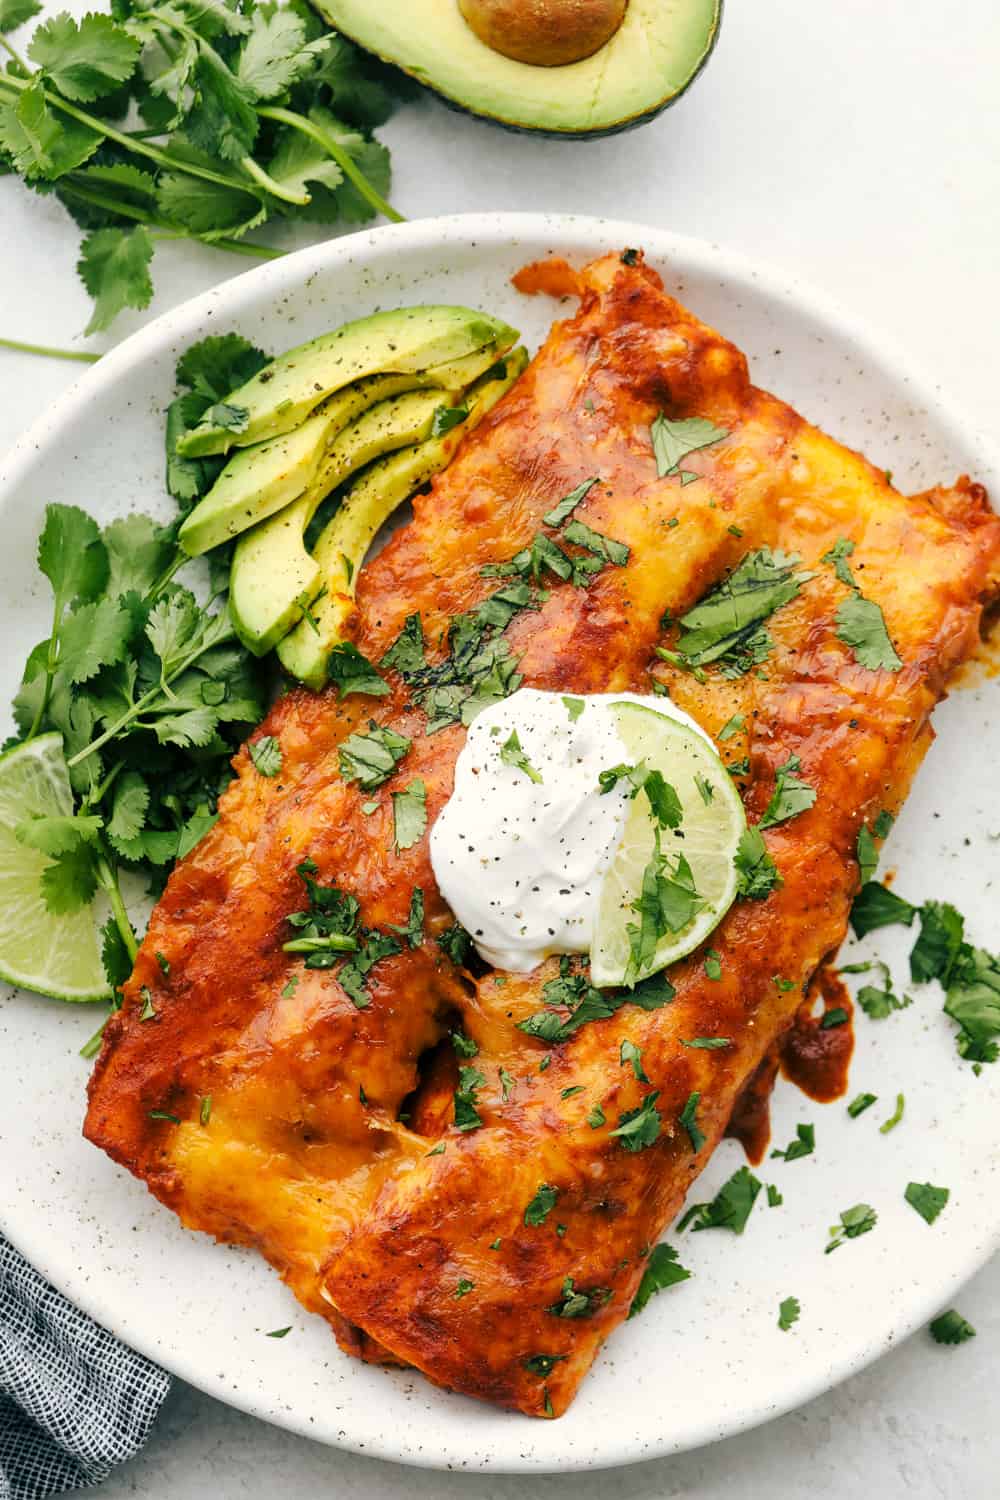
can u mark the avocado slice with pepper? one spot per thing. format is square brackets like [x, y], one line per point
[262, 479]
[402, 341]
[366, 503]
[273, 576]
[563, 67]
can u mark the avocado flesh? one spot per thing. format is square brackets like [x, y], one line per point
[262, 479]
[650, 60]
[402, 341]
[272, 574]
[366, 505]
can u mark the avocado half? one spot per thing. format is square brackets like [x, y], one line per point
[646, 64]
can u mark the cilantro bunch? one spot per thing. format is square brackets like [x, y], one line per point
[189, 119]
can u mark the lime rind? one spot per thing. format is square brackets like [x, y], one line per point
[57, 956]
[711, 835]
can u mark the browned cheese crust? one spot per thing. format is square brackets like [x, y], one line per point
[368, 1229]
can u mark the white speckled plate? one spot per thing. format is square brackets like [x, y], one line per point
[707, 1358]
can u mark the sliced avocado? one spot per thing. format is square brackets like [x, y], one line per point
[405, 340]
[496, 57]
[260, 480]
[366, 504]
[273, 575]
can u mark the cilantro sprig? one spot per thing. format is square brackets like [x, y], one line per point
[251, 113]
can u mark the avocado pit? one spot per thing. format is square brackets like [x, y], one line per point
[545, 33]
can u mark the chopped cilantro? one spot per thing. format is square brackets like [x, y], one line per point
[804, 1144]
[464, 1045]
[674, 439]
[732, 727]
[631, 1055]
[756, 873]
[639, 1128]
[688, 1119]
[883, 824]
[728, 621]
[837, 558]
[572, 1091]
[278, 1333]
[927, 1199]
[942, 932]
[266, 755]
[877, 1003]
[861, 626]
[350, 672]
[437, 1150]
[412, 930]
[573, 1303]
[409, 814]
[713, 966]
[567, 505]
[835, 1016]
[667, 902]
[406, 654]
[353, 975]
[596, 1118]
[541, 1205]
[447, 417]
[663, 1270]
[512, 755]
[574, 707]
[371, 758]
[706, 790]
[860, 1103]
[470, 1080]
[860, 1219]
[788, 1313]
[774, 1198]
[205, 1109]
[708, 1043]
[163, 1114]
[456, 943]
[895, 1117]
[731, 1207]
[791, 795]
[602, 547]
[875, 906]
[328, 928]
[951, 1328]
[543, 1364]
[148, 1011]
[867, 854]
[465, 1286]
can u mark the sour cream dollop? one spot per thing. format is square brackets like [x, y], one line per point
[520, 860]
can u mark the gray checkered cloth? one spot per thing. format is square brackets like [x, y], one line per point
[73, 1400]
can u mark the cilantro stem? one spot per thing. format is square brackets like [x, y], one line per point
[51, 662]
[131, 211]
[334, 943]
[340, 156]
[14, 54]
[287, 195]
[107, 879]
[49, 351]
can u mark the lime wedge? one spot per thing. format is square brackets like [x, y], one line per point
[53, 955]
[713, 820]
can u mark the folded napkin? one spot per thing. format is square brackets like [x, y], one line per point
[73, 1400]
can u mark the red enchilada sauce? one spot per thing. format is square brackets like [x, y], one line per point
[813, 1057]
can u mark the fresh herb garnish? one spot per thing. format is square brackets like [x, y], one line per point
[542, 1364]
[596, 1118]
[788, 1313]
[574, 707]
[350, 672]
[804, 1144]
[409, 814]
[541, 1205]
[895, 1117]
[266, 755]
[860, 1219]
[567, 505]
[470, 1081]
[456, 943]
[639, 1128]
[464, 1287]
[371, 758]
[791, 795]
[951, 1328]
[512, 755]
[688, 1118]
[406, 654]
[756, 873]
[249, 115]
[774, 1197]
[730, 1208]
[942, 933]
[447, 417]
[877, 1003]
[927, 1199]
[205, 1109]
[708, 1043]
[727, 625]
[576, 1304]
[713, 966]
[663, 1270]
[631, 1055]
[278, 1333]
[666, 903]
[875, 906]
[674, 440]
[328, 928]
[837, 558]
[412, 930]
[860, 1103]
[732, 727]
[834, 1017]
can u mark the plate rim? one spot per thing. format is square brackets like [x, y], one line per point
[500, 228]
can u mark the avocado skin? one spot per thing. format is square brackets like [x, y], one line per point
[543, 132]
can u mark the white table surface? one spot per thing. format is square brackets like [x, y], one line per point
[858, 145]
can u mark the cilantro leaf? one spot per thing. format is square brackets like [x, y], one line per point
[541, 1205]
[70, 881]
[674, 440]
[951, 1328]
[114, 267]
[639, 1128]
[803, 1145]
[756, 873]
[727, 621]
[574, 707]
[93, 636]
[84, 60]
[867, 854]
[447, 417]
[409, 812]
[412, 931]
[406, 654]
[353, 975]
[456, 943]
[207, 209]
[942, 930]
[973, 1000]
[631, 1055]
[275, 54]
[926, 1199]
[129, 808]
[878, 1004]
[266, 755]
[688, 1118]
[573, 1303]
[663, 1270]
[300, 162]
[603, 547]
[40, 143]
[72, 555]
[732, 727]
[351, 672]
[370, 759]
[859, 1104]
[788, 1313]
[58, 833]
[791, 795]
[218, 365]
[837, 558]
[14, 13]
[861, 625]
[138, 551]
[567, 505]
[861, 1219]
[732, 1205]
[512, 755]
[222, 120]
[876, 906]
